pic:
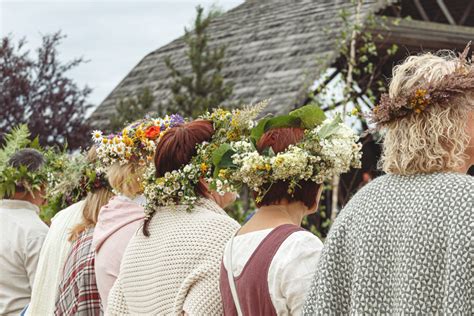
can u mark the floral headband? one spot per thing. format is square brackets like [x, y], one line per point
[177, 187]
[419, 99]
[79, 178]
[328, 148]
[82, 178]
[136, 142]
[11, 178]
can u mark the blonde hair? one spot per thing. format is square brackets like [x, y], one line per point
[126, 178]
[434, 140]
[93, 203]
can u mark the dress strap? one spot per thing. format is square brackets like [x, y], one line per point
[254, 275]
[230, 278]
[262, 256]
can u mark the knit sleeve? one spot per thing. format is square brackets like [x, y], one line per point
[203, 297]
[116, 302]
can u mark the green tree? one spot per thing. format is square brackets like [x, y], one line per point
[203, 88]
[131, 109]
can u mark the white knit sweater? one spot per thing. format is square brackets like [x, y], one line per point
[56, 248]
[177, 268]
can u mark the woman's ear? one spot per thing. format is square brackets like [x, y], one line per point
[320, 193]
[318, 198]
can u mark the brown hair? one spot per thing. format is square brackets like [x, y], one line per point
[177, 148]
[306, 191]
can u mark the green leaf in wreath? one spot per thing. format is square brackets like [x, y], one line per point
[35, 144]
[310, 115]
[222, 158]
[330, 128]
[258, 131]
[274, 122]
[268, 152]
[23, 170]
[90, 174]
[283, 121]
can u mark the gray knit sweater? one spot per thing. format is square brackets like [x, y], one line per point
[402, 245]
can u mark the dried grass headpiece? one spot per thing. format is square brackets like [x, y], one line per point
[419, 99]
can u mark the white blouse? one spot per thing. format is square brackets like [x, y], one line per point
[291, 271]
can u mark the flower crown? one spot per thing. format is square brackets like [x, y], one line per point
[12, 178]
[82, 178]
[421, 98]
[328, 148]
[177, 187]
[136, 142]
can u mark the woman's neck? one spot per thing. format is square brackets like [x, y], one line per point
[272, 216]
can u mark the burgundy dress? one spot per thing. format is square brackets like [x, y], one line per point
[252, 283]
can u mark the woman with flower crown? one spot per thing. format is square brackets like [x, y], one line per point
[403, 243]
[77, 291]
[76, 194]
[124, 157]
[172, 266]
[268, 266]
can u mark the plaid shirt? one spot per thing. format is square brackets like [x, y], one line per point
[78, 294]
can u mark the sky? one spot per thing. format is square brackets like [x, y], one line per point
[113, 36]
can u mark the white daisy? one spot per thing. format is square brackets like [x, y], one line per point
[97, 136]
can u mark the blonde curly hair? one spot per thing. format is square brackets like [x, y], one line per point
[436, 139]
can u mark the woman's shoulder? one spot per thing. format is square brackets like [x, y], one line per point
[303, 240]
[70, 212]
[446, 184]
[462, 180]
[218, 221]
[213, 227]
[301, 248]
[442, 178]
[210, 212]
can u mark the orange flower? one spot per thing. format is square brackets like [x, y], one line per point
[152, 132]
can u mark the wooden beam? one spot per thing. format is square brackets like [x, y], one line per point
[466, 13]
[446, 12]
[423, 35]
[421, 10]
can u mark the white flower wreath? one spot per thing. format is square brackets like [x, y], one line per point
[328, 148]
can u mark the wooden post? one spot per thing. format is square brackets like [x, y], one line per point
[348, 87]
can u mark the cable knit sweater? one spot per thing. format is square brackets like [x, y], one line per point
[402, 245]
[176, 269]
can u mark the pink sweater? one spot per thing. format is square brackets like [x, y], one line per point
[118, 221]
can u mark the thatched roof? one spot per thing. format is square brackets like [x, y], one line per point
[275, 49]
